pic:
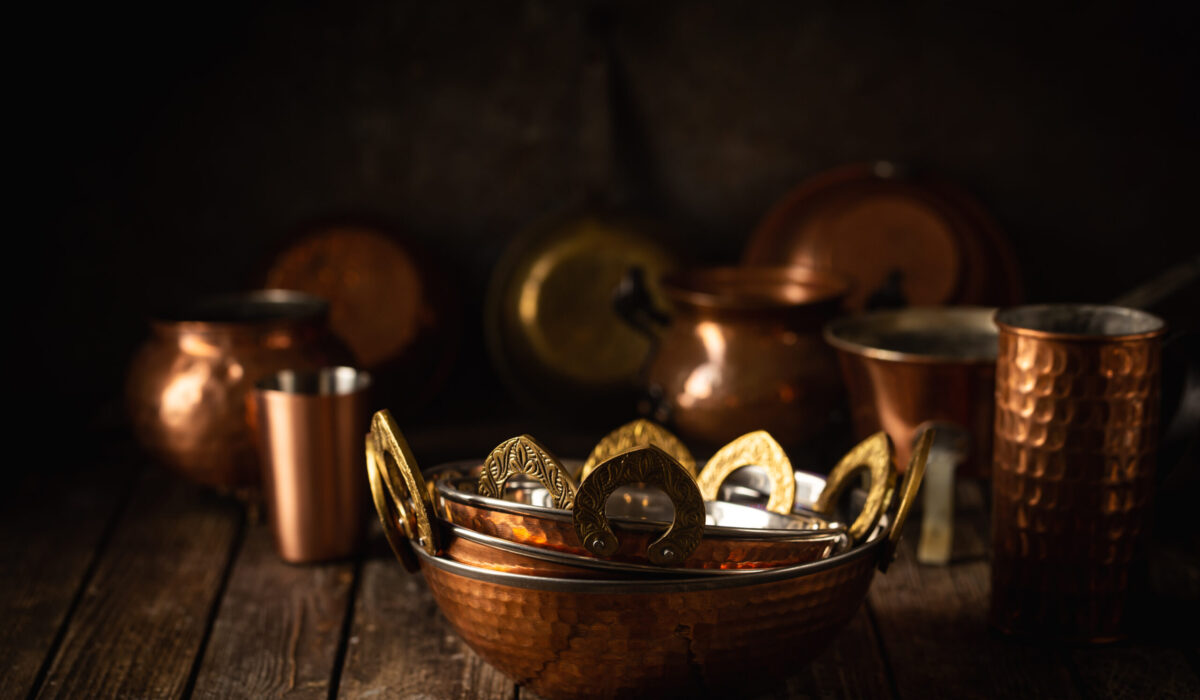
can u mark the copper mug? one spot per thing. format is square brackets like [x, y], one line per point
[310, 429]
[742, 351]
[1076, 435]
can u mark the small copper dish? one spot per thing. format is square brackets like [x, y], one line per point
[662, 637]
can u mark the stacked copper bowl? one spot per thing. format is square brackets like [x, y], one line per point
[628, 574]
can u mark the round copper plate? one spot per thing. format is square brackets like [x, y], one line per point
[904, 240]
[385, 301]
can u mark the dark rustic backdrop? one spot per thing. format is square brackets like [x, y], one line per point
[174, 148]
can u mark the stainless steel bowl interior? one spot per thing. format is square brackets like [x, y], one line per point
[1081, 320]
[948, 334]
[630, 506]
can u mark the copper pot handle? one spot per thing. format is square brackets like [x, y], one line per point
[524, 455]
[875, 455]
[752, 449]
[398, 489]
[646, 465]
[639, 433]
[908, 494]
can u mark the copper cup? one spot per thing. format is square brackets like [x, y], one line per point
[1077, 430]
[310, 428]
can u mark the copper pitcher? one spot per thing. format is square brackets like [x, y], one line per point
[187, 385]
[742, 351]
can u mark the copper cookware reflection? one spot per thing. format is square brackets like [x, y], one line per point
[1077, 431]
[187, 385]
[744, 352]
[585, 638]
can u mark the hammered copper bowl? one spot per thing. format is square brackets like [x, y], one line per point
[572, 638]
[588, 638]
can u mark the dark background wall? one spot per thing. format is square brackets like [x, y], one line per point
[173, 150]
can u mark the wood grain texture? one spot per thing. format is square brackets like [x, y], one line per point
[1136, 672]
[50, 528]
[932, 621]
[146, 611]
[851, 668]
[401, 647]
[277, 631]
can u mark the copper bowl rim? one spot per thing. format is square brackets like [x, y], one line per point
[243, 312]
[535, 511]
[835, 330]
[596, 564]
[697, 286]
[1005, 322]
[877, 545]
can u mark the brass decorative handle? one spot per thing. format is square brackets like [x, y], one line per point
[652, 466]
[752, 449]
[875, 455]
[523, 455]
[638, 433]
[408, 514]
[390, 516]
[908, 494]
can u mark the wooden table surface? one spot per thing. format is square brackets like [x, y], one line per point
[121, 580]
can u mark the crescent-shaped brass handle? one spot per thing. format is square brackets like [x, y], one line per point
[523, 455]
[752, 449]
[875, 455]
[390, 515]
[645, 465]
[909, 487]
[638, 433]
[409, 506]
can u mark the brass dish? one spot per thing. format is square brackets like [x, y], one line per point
[573, 638]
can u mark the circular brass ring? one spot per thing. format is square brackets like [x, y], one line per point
[524, 455]
[752, 449]
[645, 465]
[638, 433]
[390, 515]
[398, 470]
[875, 455]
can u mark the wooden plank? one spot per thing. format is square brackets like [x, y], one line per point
[1136, 672]
[851, 668]
[400, 646]
[50, 527]
[278, 628]
[143, 617]
[933, 624]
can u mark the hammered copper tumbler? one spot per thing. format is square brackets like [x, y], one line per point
[310, 429]
[1077, 428]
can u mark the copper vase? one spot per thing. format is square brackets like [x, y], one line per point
[1077, 430]
[187, 385]
[743, 351]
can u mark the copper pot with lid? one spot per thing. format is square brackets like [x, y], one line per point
[187, 384]
[742, 350]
